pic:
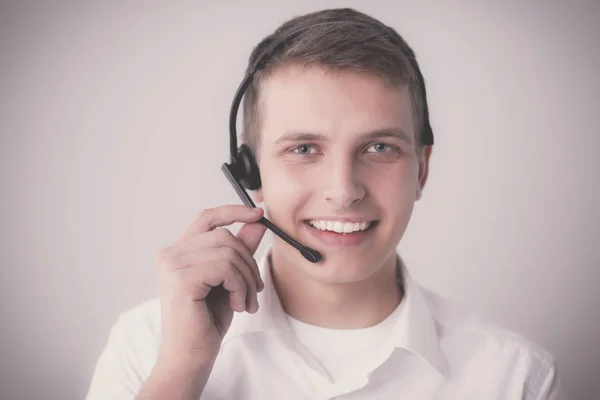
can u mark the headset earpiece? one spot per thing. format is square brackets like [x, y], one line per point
[247, 169]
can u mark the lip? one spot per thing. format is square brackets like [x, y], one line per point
[342, 219]
[341, 240]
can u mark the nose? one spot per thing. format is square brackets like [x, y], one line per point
[342, 184]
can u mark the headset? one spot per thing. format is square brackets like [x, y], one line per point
[243, 173]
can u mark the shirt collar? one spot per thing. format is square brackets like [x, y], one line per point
[414, 330]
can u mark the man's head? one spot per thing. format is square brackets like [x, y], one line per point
[336, 120]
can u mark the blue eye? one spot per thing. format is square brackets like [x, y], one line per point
[379, 148]
[303, 149]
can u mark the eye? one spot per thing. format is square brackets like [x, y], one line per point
[378, 148]
[304, 149]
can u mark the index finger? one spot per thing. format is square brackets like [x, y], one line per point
[216, 217]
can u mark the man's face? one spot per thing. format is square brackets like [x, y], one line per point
[339, 168]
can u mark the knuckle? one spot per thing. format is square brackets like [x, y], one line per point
[203, 213]
[234, 275]
[224, 238]
[201, 216]
[228, 254]
[206, 216]
[223, 265]
[187, 245]
[240, 284]
[224, 234]
[214, 237]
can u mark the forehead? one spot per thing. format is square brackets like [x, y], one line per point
[341, 104]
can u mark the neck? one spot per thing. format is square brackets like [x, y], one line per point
[350, 305]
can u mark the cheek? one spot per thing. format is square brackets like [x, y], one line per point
[392, 182]
[283, 187]
[394, 190]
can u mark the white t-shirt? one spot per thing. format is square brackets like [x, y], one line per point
[344, 352]
[434, 350]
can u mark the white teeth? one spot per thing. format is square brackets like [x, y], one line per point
[339, 227]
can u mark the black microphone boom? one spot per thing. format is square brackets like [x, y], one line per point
[308, 253]
[243, 171]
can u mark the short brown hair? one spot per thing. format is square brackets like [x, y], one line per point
[337, 39]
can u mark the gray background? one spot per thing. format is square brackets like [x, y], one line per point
[113, 121]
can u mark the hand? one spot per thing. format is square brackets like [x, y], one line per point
[202, 279]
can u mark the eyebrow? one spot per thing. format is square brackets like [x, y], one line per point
[315, 137]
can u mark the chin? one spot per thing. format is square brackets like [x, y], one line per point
[344, 267]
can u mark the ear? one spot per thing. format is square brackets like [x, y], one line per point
[424, 157]
[257, 195]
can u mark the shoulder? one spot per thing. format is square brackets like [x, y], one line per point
[471, 341]
[129, 354]
[137, 334]
[144, 317]
[455, 320]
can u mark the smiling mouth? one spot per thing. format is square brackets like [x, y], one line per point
[341, 227]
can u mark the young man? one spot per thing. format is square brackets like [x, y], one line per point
[336, 121]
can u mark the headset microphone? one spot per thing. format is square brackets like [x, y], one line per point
[243, 170]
